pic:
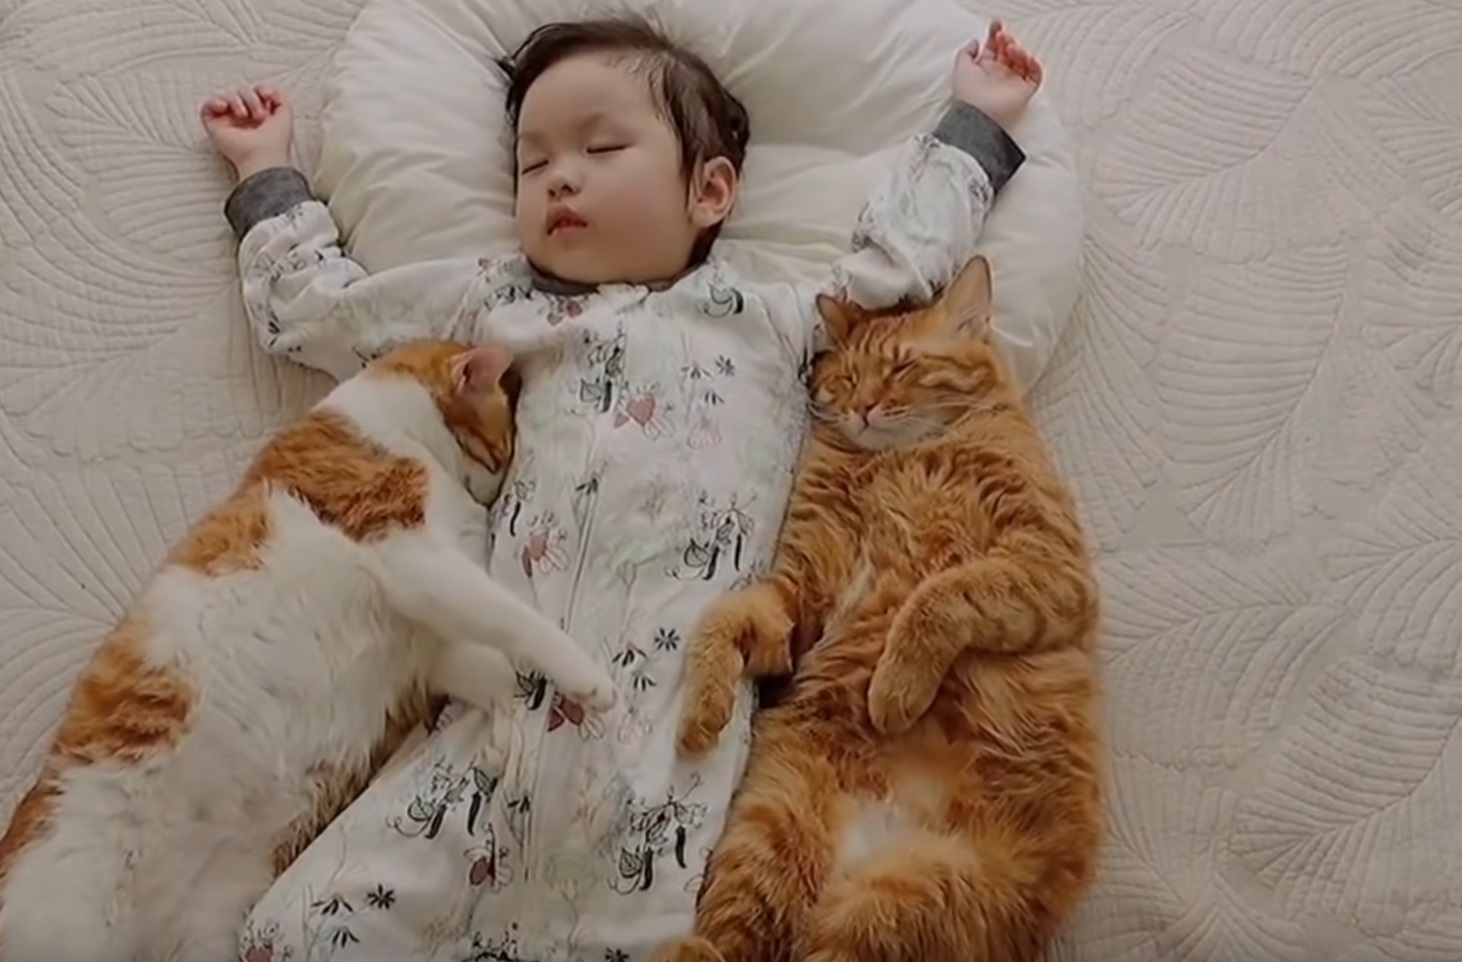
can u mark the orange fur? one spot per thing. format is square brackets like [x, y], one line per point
[124, 708]
[929, 789]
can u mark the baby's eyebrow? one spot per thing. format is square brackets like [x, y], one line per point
[532, 137]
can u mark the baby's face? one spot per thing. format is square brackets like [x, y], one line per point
[601, 197]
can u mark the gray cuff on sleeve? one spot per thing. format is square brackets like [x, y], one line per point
[972, 131]
[266, 194]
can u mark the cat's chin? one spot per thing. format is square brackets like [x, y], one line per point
[883, 437]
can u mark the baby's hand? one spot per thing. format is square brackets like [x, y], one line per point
[999, 77]
[251, 127]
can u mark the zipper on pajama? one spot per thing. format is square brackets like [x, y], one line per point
[590, 495]
[612, 380]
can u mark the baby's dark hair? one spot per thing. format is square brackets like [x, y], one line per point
[708, 121]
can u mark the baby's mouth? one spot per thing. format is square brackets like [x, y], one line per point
[565, 222]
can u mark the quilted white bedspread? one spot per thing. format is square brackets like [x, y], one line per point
[1258, 403]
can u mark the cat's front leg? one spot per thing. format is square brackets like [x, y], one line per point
[926, 637]
[481, 677]
[432, 582]
[744, 634]
[1014, 602]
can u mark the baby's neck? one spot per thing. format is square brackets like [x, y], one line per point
[547, 283]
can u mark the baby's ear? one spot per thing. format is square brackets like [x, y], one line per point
[968, 300]
[481, 368]
[714, 193]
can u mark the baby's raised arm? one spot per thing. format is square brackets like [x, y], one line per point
[305, 298]
[923, 222]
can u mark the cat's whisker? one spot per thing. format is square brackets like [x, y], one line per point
[924, 425]
[926, 412]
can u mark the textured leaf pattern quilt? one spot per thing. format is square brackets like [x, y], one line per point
[1258, 402]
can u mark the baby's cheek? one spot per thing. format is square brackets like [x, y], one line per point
[526, 221]
[643, 208]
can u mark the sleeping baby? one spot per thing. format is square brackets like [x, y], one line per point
[660, 420]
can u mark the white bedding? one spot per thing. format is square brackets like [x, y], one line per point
[1258, 401]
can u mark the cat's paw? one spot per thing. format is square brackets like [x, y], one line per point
[756, 621]
[899, 694]
[907, 677]
[742, 633]
[712, 682]
[591, 687]
[692, 949]
[707, 712]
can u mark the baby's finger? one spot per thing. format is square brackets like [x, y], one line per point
[255, 105]
[212, 107]
[1019, 59]
[995, 41]
[1033, 70]
[272, 96]
[237, 106]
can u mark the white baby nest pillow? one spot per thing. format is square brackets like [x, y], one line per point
[416, 162]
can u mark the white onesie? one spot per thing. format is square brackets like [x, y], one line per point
[659, 430]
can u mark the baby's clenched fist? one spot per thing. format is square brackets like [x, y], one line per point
[251, 127]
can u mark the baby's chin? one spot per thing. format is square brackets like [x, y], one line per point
[577, 269]
[584, 268]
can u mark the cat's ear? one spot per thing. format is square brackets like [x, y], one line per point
[481, 368]
[838, 316]
[969, 298]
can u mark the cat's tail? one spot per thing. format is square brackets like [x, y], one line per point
[61, 883]
[995, 898]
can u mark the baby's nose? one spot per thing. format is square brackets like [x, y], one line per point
[562, 182]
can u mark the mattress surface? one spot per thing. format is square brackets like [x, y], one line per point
[1257, 402]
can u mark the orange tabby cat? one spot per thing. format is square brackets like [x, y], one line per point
[929, 789]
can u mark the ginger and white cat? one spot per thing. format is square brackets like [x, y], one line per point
[929, 788]
[283, 648]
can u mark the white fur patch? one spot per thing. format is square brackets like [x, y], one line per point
[295, 665]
